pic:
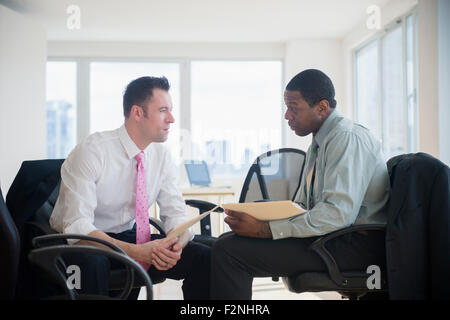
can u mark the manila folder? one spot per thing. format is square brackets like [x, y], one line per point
[266, 211]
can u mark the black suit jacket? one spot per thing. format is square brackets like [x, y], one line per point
[33, 191]
[31, 188]
[418, 228]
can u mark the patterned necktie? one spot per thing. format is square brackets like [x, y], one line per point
[141, 213]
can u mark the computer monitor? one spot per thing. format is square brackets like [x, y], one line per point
[198, 173]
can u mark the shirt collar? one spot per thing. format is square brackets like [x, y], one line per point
[130, 147]
[326, 127]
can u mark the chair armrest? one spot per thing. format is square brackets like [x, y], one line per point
[203, 206]
[48, 257]
[38, 242]
[335, 274]
[158, 225]
[362, 227]
[49, 240]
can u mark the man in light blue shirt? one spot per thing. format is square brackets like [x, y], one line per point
[345, 182]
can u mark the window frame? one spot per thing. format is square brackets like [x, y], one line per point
[83, 86]
[411, 139]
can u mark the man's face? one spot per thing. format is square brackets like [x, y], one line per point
[301, 118]
[154, 127]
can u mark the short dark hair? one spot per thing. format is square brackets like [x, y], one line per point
[140, 90]
[314, 85]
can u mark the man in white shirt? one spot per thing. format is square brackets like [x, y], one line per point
[98, 195]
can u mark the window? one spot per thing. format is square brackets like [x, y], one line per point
[394, 134]
[367, 111]
[61, 108]
[236, 113]
[385, 87]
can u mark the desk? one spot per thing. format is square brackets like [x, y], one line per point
[220, 193]
[208, 192]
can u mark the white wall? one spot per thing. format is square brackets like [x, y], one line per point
[23, 54]
[161, 50]
[444, 79]
[428, 97]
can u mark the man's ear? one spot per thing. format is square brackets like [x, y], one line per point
[324, 106]
[136, 111]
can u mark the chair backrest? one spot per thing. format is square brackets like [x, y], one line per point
[29, 200]
[275, 175]
[418, 227]
[10, 252]
[35, 186]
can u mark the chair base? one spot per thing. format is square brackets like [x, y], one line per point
[320, 282]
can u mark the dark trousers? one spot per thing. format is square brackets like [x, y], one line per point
[237, 260]
[193, 268]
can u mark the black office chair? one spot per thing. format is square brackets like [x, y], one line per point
[48, 258]
[350, 284]
[10, 252]
[31, 199]
[417, 239]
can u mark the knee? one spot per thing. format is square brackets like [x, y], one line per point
[222, 245]
[94, 265]
[198, 252]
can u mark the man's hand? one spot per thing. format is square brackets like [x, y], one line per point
[166, 257]
[156, 252]
[161, 253]
[247, 226]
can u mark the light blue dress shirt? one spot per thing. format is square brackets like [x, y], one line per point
[351, 184]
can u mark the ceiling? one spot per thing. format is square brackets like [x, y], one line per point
[197, 20]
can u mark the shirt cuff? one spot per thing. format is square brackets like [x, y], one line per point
[280, 229]
[81, 227]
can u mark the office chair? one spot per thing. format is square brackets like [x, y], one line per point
[350, 284]
[274, 176]
[31, 199]
[49, 258]
[46, 259]
[10, 251]
[417, 238]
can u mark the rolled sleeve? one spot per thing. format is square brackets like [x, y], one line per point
[346, 177]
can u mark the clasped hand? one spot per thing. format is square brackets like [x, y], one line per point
[162, 253]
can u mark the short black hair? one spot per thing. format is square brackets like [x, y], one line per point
[140, 90]
[314, 85]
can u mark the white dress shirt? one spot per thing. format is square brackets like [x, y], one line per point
[98, 183]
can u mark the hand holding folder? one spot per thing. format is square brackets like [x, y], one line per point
[264, 211]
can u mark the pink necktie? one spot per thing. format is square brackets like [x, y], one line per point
[141, 213]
